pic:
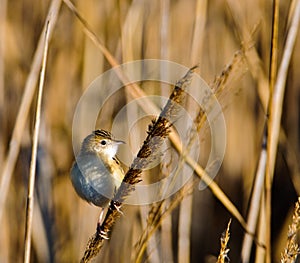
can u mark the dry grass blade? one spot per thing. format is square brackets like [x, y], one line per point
[198, 34]
[251, 54]
[2, 69]
[277, 98]
[292, 250]
[154, 218]
[223, 255]
[260, 175]
[184, 229]
[185, 209]
[149, 107]
[149, 151]
[15, 141]
[166, 227]
[30, 196]
[275, 117]
[274, 45]
[273, 71]
[255, 202]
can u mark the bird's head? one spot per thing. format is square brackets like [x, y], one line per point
[101, 142]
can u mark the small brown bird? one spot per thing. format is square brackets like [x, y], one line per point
[97, 173]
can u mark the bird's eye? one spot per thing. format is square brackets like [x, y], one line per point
[103, 142]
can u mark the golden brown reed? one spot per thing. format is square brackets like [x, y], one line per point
[187, 32]
[157, 132]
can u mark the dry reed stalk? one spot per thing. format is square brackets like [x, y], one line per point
[251, 54]
[199, 31]
[276, 102]
[154, 252]
[149, 107]
[260, 253]
[167, 236]
[161, 210]
[217, 88]
[131, 43]
[165, 16]
[166, 226]
[184, 229]
[131, 40]
[3, 15]
[292, 250]
[255, 202]
[35, 139]
[260, 175]
[150, 150]
[156, 212]
[14, 145]
[291, 11]
[155, 219]
[185, 209]
[272, 78]
[274, 46]
[223, 255]
[40, 240]
[262, 81]
[2, 52]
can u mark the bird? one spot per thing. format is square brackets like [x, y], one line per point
[97, 173]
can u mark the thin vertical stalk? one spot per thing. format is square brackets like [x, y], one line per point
[3, 4]
[199, 32]
[274, 45]
[165, 14]
[30, 196]
[23, 112]
[3, 116]
[166, 225]
[275, 117]
[184, 231]
[185, 210]
[273, 69]
[255, 203]
[260, 253]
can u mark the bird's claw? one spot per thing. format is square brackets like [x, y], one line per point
[117, 206]
[101, 232]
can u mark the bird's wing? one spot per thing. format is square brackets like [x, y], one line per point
[96, 176]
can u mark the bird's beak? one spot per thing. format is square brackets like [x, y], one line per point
[119, 142]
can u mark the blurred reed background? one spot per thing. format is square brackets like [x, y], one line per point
[209, 33]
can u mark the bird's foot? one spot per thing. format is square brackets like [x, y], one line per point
[117, 206]
[103, 234]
